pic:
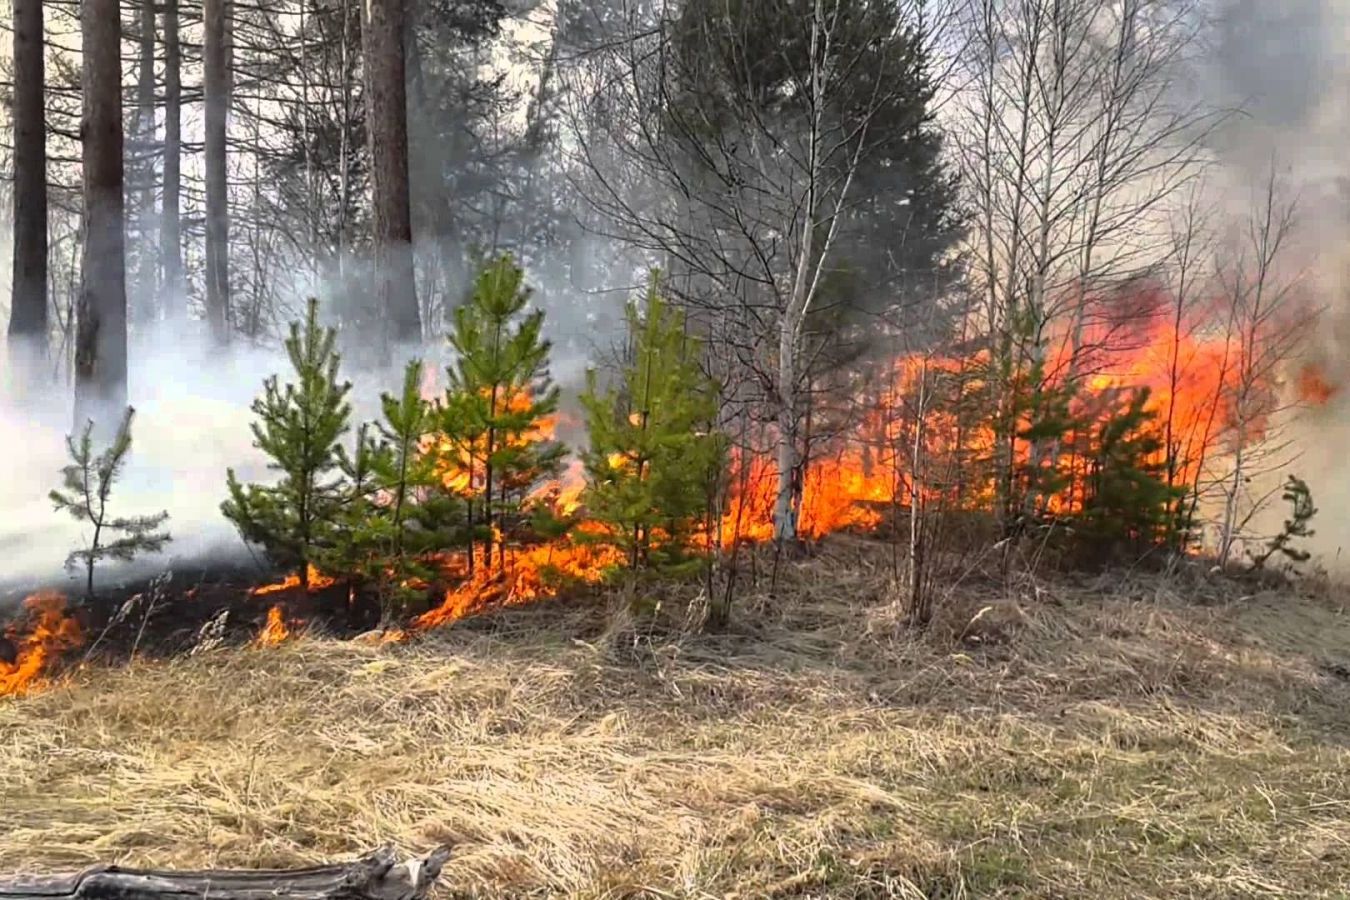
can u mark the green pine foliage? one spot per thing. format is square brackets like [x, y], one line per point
[498, 396]
[653, 455]
[416, 515]
[1128, 503]
[350, 549]
[299, 427]
[1301, 512]
[86, 488]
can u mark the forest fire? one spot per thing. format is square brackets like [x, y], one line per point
[29, 647]
[858, 472]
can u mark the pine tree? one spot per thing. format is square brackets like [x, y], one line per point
[653, 456]
[87, 486]
[498, 401]
[416, 515]
[1300, 500]
[351, 551]
[1128, 502]
[298, 427]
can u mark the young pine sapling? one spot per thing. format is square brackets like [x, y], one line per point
[499, 395]
[86, 486]
[653, 453]
[298, 427]
[1299, 497]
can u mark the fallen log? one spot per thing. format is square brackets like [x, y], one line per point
[375, 876]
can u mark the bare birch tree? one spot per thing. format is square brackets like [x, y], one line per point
[1268, 320]
[1074, 138]
[739, 133]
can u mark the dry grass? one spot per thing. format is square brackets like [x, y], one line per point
[1113, 744]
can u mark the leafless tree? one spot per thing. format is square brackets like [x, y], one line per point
[1268, 322]
[1073, 143]
[735, 160]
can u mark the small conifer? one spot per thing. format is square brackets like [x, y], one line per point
[87, 484]
[298, 427]
[498, 400]
[653, 453]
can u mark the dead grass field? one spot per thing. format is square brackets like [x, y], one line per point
[1123, 741]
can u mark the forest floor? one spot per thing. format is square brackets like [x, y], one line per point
[1122, 737]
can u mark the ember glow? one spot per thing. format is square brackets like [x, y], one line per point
[30, 646]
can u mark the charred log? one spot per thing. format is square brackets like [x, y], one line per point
[375, 876]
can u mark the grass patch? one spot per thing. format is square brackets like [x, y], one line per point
[1117, 743]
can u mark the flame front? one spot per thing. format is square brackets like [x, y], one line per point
[32, 645]
[898, 432]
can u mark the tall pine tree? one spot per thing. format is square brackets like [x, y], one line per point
[298, 427]
[653, 456]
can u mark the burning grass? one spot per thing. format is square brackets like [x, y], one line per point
[1119, 744]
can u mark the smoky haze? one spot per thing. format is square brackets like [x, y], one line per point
[192, 423]
[1286, 66]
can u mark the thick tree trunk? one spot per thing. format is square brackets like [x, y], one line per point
[174, 291]
[387, 124]
[28, 311]
[375, 876]
[145, 302]
[101, 333]
[216, 86]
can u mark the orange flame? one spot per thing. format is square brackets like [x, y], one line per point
[49, 631]
[275, 631]
[317, 582]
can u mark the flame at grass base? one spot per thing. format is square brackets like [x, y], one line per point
[526, 574]
[36, 642]
[317, 582]
[275, 631]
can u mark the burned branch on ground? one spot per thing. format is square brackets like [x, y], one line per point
[375, 876]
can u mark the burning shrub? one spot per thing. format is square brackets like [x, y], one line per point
[1128, 503]
[653, 455]
[493, 446]
[87, 485]
[299, 428]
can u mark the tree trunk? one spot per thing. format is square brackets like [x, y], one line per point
[216, 90]
[145, 302]
[28, 310]
[785, 504]
[174, 291]
[387, 125]
[101, 335]
[374, 876]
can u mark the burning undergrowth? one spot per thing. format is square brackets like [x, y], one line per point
[919, 434]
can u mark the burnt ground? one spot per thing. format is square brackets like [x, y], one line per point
[170, 608]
